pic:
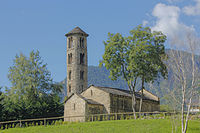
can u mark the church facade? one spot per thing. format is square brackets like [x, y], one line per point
[83, 100]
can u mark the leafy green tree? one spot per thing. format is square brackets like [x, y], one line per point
[116, 60]
[133, 57]
[33, 93]
[1, 105]
[147, 55]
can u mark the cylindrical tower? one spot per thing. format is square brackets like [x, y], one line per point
[77, 66]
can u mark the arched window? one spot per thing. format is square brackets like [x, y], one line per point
[70, 45]
[81, 75]
[82, 58]
[81, 42]
[83, 45]
[70, 58]
[70, 74]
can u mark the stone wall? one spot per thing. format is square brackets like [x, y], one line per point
[94, 109]
[120, 104]
[99, 96]
[75, 106]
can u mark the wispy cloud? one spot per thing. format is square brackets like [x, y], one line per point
[192, 10]
[173, 1]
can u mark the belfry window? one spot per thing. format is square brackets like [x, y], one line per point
[81, 75]
[70, 74]
[81, 42]
[70, 45]
[82, 58]
[70, 58]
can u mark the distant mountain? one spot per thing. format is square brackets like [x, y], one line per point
[100, 77]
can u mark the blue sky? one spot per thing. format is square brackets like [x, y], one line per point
[27, 25]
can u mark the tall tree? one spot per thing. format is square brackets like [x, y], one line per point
[147, 55]
[1, 105]
[136, 56]
[32, 87]
[185, 73]
[116, 60]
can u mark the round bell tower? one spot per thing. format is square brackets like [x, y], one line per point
[77, 65]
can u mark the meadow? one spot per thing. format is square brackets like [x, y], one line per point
[114, 126]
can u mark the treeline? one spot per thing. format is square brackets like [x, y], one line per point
[33, 94]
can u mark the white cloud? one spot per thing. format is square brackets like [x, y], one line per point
[167, 21]
[192, 10]
[145, 22]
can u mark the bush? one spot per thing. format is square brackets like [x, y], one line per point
[17, 125]
[41, 123]
[58, 122]
[65, 122]
[122, 117]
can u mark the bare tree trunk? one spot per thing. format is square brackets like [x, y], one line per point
[187, 117]
[133, 105]
[141, 98]
[182, 111]
[132, 91]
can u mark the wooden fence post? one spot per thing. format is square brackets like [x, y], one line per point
[116, 116]
[92, 117]
[20, 123]
[44, 121]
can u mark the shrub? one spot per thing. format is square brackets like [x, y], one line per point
[53, 122]
[122, 117]
[41, 122]
[12, 125]
[1, 127]
[26, 124]
[6, 126]
[58, 122]
[65, 122]
[17, 125]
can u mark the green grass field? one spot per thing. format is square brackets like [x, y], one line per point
[119, 126]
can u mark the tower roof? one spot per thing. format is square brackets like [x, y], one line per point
[77, 30]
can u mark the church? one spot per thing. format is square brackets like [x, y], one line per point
[83, 100]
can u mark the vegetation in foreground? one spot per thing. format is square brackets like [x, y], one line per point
[119, 126]
[33, 94]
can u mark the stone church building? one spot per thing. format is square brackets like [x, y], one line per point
[83, 100]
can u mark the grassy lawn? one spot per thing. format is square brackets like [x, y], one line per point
[119, 126]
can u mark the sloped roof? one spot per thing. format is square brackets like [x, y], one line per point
[77, 30]
[89, 101]
[149, 95]
[121, 92]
